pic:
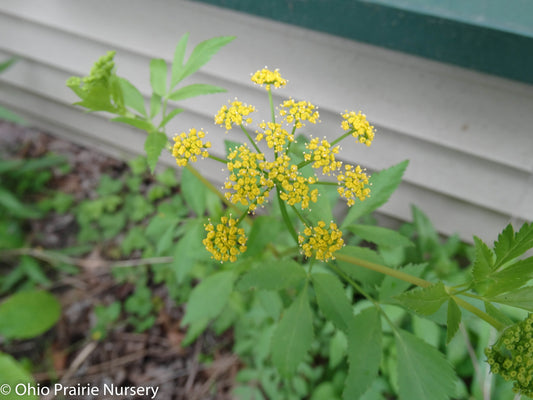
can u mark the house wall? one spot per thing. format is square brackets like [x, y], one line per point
[468, 136]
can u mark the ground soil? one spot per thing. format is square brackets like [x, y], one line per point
[67, 353]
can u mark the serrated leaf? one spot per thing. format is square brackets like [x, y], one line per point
[497, 314]
[384, 183]
[208, 299]
[484, 258]
[453, 320]
[132, 97]
[28, 314]
[347, 258]
[511, 245]
[381, 236]
[13, 373]
[511, 278]
[137, 123]
[423, 372]
[391, 286]
[521, 298]
[273, 275]
[158, 76]
[293, 336]
[425, 301]
[196, 89]
[364, 353]
[154, 144]
[194, 192]
[177, 62]
[201, 55]
[332, 300]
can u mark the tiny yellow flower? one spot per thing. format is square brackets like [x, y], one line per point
[226, 241]
[275, 136]
[268, 78]
[188, 146]
[299, 111]
[322, 155]
[362, 130]
[237, 113]
[320, 241]
[246, 179]
[353, 183]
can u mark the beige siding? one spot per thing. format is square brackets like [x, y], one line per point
[469, 136]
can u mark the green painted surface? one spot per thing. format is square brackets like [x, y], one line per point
[476, 34]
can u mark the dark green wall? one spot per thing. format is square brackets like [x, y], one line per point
[486, 48]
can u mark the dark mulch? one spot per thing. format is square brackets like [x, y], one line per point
[67, 354]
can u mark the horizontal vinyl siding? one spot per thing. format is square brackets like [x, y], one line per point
[469, 136]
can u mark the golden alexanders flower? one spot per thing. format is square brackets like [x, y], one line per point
[267, 77]
[353, 182]
[188, 146]
[321, 242]
[275, 136]
[362, 130]
[299, 111]
[246, 179]
[226, 241]
[322, 155]
[237, 113]
[512, 356]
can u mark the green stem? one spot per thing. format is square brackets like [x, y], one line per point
[250, 139]
[342, 137]
[218, 159]
[271, 102]
[285, 216]
[384, 270]
[301, 217]
[481, 314]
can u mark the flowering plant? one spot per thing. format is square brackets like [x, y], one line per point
[297, 255]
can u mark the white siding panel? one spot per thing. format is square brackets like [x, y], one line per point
[468, 135]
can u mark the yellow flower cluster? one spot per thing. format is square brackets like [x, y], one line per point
[299, 111]
[323, 155]
[362, 130]
[226, 241]
[320, 241]
[275, 136]
[188, 146]
[353, 183]
[267, 77]
[512, 356]
[236, 114]
[246, 178]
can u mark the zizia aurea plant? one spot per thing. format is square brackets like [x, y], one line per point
[297, 249]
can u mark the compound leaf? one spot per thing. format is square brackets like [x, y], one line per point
[154, 144]
[425, 301]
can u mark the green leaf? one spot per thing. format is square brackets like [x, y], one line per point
[170, 115]
[137, 123]
[196, 89]
[10, 116]
[209, 298]
[132, 97]
[381, 236]
[370, 279]
[497, 314]
[154, 144]
[12, 206]
[453, 320]
[177, 62]
[391, 287]
[293, 335]
[6, 64]
[423, 372]
[264, 231]
[201, 55]
[364, 353]
[155, 104]
[188, 249]
[521, 298]
[425, 301]
[28, 314]
[273, 275]
[511, 278]
[332, 300]
[13, 373]
[384, 183]
[511, 245]
[158, 76]
[484, 259]
[194, 192]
